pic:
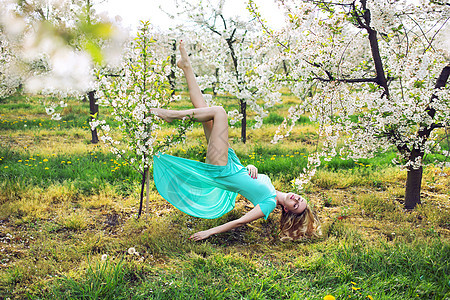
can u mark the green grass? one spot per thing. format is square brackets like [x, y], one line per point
[88, 172]
[65, 203]
[348, 269]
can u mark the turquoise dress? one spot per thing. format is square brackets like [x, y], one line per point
[209, 191]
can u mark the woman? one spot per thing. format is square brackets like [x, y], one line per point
[208, 190]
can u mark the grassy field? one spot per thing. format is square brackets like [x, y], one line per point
[68, 226]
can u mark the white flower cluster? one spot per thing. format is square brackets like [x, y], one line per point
[294, 113]
[233, 117]
[50, 109]
[308, 172]
[9, 79]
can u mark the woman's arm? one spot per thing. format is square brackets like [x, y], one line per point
[252, 215]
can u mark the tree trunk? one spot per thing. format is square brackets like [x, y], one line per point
[143, 181]
[93, 111]
[413, 186]
[285, 67]
[173, 62]
[244, 121]
[216, 84]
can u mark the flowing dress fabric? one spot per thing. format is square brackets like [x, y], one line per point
[209, 191]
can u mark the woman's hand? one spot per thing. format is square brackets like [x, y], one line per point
[201, 235]
[252, 171]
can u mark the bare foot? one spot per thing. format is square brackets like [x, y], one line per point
[161, 113]
[184, 62]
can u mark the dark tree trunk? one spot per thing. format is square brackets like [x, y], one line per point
[142, 192]
[93, 112]
[244, 121]
[413, 186]
[173, 62]
[216, 84]
[243, 104]
[285, 68]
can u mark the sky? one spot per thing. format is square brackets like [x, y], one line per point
[131, 11]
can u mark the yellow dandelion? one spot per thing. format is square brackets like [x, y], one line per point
[354, 283]
[19, 160]
[69, 162]
[329, 297]
[370, 297]
[273, 158]
[6, 167]
[355, 288]
[54, 154]
[45, 160]
[63, 162]
[46, 168]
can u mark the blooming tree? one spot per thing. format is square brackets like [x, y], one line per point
[9, 80]
[139, 85]
[55, 44]
[232, 49]
[371, 73]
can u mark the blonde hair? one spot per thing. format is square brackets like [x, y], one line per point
[305, 225]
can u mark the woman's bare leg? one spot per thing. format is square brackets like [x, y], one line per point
[194, 90]
[217, 153]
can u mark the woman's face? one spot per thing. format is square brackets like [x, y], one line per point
[294, 203]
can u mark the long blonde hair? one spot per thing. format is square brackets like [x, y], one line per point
[305, 225]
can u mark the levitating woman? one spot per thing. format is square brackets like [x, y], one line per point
[208, 190]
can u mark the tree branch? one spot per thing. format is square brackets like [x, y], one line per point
[350, 80]
[432, 38]
[381, 77]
